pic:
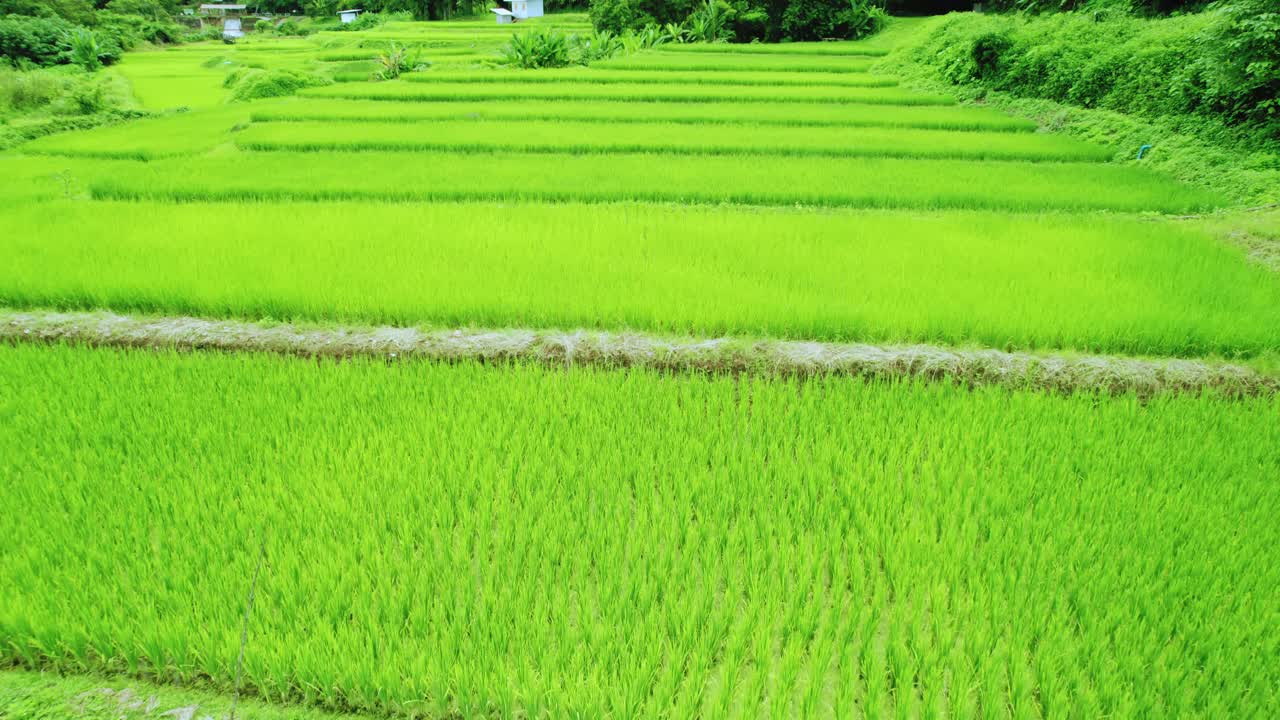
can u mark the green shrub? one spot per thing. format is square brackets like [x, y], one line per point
[38, 40]
[395, 62]
[1221, 64]
[618, 16]
[149, 9]
[538, 48]
[293, 28]
[823, 19]
[254, 83]
[1244, 76]
[710, 22]
[76, 12]
[84, 49]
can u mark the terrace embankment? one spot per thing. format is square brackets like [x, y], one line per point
[969, 366]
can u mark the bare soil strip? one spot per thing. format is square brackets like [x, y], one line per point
[970, 366]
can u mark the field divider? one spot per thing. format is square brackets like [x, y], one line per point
[971, 366]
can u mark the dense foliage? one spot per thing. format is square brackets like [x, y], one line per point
[743, 20]
[1223, 63]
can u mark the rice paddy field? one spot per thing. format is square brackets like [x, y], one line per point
[516, 537]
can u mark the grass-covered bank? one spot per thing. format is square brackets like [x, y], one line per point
[1124, 81]
[479, 539]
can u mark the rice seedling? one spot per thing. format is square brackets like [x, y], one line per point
[1093, 284]
[667, 138]
[176, 134]
[746, 179]
[662, 77]
[824, 49]
[426, 91]
[701, 62]
[785, 114]
[468, 540]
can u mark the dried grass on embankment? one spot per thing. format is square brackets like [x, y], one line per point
[969, 366]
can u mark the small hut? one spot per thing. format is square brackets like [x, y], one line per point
[229, 17]
[518, 10]
[347, 16]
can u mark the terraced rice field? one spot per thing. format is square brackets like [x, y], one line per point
[565, 537]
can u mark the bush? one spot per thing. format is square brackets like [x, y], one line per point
[538, 48]
[823, 19]
[395, 62]
[292, 27]
[149, 9]
[41, 41]
[1243, 78]
[76, 12]
[84, 49]
[1222, 64]
[255, 83]
[618, 16]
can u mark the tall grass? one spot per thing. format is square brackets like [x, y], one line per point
[589, 137]
[786, 114]
[462, 540]
[634, 92]
[747, 179]
[1090, 284]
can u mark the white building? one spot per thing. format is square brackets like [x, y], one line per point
[349, 15]
[526, 8]
[228, 16]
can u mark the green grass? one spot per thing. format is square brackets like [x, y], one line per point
[422, 90]
[737, 63]
[1092, 284]
[660, 77]
[471, 540]
[748, 179]
[787, 114]
[589, 137]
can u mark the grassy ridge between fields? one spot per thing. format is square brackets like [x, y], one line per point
[1090, 283]
[902, 549]
[751, 180]
[589, 137]
[782, 114]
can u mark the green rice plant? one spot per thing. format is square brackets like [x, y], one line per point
[1092, 284]
[667, 138]
[448, 539]
[663, 77]
[747, 179]
[824, 49]
[704, 62]
[784, 114]
[149, 139]
[635, 92]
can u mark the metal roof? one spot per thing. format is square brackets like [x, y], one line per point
[223, 7]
